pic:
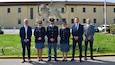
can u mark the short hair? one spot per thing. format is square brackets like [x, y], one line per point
[25, 19]
[64, 22]
[77, 17]
[40, 22]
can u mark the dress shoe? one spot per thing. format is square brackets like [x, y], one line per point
[72, 59]
[85, 58]
[63, 60]
[49, 59]
[80, 60]
[92, 59]
[38, 59]
[55, 60]
[41, 60]
[23, 61]
[29, 61]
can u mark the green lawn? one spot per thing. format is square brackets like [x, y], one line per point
[12, 46]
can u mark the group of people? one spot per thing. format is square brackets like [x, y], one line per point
[52, 33]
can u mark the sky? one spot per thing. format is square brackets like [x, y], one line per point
[55, 0]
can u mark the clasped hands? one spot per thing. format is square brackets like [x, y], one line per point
[39, 38]
[26, 40]
[76, 38]
[52, 39]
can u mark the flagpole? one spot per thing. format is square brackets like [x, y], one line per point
[105, 16]
[51, 1]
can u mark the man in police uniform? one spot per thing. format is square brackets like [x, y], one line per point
[52, 34]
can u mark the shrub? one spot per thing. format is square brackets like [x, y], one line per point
[1, 32]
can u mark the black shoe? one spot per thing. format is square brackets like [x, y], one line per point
[92, 59]
[63, 60]
[55, 60]
[23, 61]
[80, 60]
[72, 59]
[41, 60]
[49, 59]
[85, 58]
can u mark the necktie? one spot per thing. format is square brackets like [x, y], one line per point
[77, 26]
[26, 32]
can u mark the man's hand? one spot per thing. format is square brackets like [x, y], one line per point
[39, 38]
[89, 38]
[26, 40]
[52, 39]
[76, 38]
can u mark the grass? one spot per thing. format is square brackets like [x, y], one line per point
[12, 46]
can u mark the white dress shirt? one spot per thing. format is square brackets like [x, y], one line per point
[77, 25]
[26, 28]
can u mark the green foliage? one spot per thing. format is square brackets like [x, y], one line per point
[1, 32]
[12, 46]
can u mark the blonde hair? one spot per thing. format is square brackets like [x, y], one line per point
[25, 19]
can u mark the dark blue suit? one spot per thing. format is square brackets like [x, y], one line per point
[78, 33]
[22, 37]
[39, 32]
[52, 32]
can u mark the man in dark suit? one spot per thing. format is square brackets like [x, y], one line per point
[77, 33]
[88, 35]
[52, 34]
[25, 36]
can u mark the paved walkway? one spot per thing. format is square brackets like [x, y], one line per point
[98, 61]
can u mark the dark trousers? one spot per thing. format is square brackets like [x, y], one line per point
[50, 45]
[91, 48]
[24, 46]
[80, 48]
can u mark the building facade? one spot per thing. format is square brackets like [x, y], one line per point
[12, 14]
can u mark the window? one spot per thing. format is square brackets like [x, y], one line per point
[72, 9]
[94, 9]
[72, 21]
[38, 9]
[19, 21]
[84, 10]
[64, 20]
[62, 9]
[19, 10]
[114, 21]
[84, 20]
[8, 10]
[57, 19]
[94, 21]
[31, 13]
[114, 10]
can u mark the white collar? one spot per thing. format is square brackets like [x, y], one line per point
[51, 25]
[63, 27]
[25, 26]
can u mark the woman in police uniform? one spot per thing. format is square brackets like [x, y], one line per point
[64, 41]
[39, 33]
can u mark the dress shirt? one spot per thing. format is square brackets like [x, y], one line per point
[26, 28]
[51, 25]
[77, 25]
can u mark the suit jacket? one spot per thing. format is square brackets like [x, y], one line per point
[39, 32]
[52, 32]
[78, 32]
[64, 34]
[89, 32]
[23, 35]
